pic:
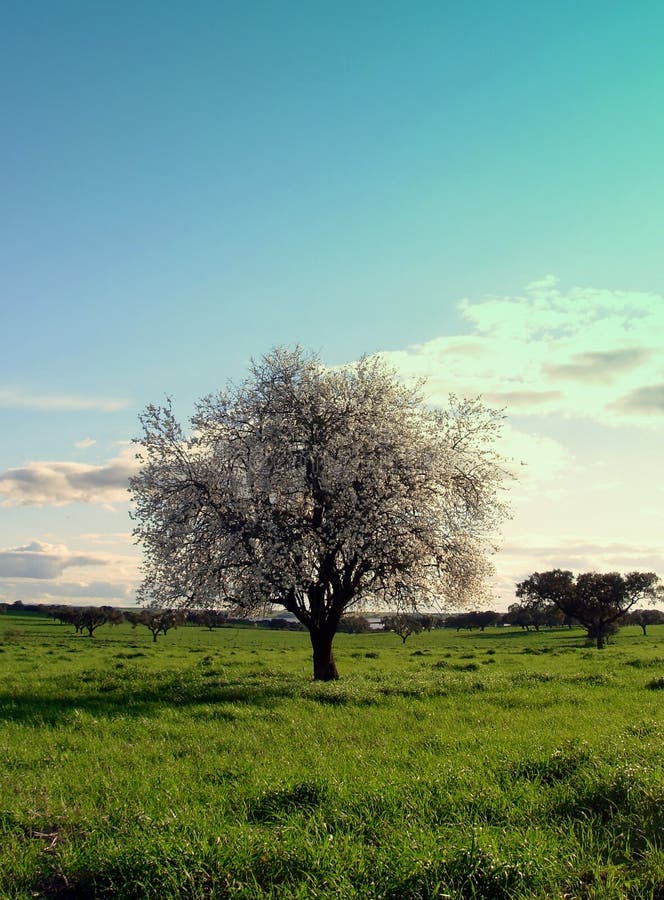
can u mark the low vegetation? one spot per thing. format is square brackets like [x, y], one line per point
[498, 764]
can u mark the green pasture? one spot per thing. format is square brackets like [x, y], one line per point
[500, 764]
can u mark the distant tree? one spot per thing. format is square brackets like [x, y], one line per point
[518, 614]
[69, 615]
[157, 621]
[457, 621]
[429, 622]
[85, 618]
[278, 623]
[645, 617]
[355, 624]
[90, 618]
[475, 618]
[597, 601]
[208, 618]
[484, 618]
[532, 612]
[58, 612]
[403, 624]
[115, 615]
[316, 489]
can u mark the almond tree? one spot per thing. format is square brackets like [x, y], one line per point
[403, 624]
[158, 621]
[317, 490]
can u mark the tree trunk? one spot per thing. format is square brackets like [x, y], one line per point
[600, 639]
[324, 665]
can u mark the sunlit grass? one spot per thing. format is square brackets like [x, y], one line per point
[489, 765]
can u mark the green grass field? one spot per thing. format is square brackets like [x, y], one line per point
[489, 765]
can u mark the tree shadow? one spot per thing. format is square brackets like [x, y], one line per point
[134, 692]
[559, 635]
[58, 707]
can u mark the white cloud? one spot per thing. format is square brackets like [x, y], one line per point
[584, 353]
[14, 398]
[85, 443]
[61, 482]
[67, 592]
[599, 366]
[647, 400]
[41, 560]
[569, 552]
[33, 572]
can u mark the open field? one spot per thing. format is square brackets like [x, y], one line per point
[489, 765]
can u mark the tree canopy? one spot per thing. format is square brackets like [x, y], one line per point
[317, 489]
[597, 600]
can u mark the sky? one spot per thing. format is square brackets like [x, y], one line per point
[474, 191]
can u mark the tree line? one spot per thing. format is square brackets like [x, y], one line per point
[87, 619]
[526, 614]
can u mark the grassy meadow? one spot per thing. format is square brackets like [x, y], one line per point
[496, 765]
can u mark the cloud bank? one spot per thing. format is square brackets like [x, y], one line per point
[41, 560]
[584, 353]
[63, 482]
[32, 573]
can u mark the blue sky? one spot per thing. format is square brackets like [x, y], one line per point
[184, 188]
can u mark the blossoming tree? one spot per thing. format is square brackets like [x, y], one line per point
[317, 490]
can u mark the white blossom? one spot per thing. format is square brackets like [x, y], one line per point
[318, 490]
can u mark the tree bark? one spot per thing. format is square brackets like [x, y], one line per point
[324, 666]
